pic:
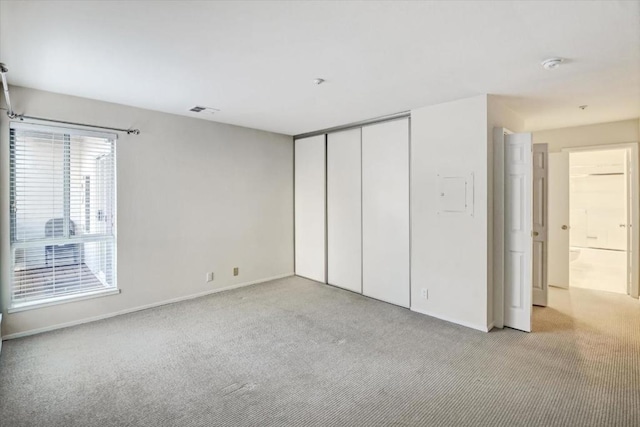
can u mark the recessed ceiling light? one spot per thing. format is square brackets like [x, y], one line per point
[318, 81]
[551, 63]
[199, 109]
[582, 107]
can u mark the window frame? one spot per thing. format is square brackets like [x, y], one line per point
[67, 132]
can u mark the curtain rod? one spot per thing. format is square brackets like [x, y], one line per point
[42, 119]
[13, 115]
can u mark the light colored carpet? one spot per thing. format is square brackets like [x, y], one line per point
[295, 352]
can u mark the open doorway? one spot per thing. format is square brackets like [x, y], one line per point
[598, 237]
[592, 204]
[533, 224]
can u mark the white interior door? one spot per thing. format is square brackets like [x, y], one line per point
[558, 231]
[518, 230]
[344, 210]
[540, 224]
[385, 212]
[310, 208]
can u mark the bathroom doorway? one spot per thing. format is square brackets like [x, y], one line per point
[598, 218]
[592, 209]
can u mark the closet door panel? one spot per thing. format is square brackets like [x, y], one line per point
[310, 208]
[385, 212]
[344, 213]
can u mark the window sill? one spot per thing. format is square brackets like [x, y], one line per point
[61, 300]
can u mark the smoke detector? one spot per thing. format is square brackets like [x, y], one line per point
[200, 109]
[318, 81]
[552, 63]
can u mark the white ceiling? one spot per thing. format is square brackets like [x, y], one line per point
[256, 61]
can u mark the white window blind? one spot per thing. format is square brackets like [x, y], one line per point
[63, 214]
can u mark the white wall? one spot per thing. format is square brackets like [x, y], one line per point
[193, 196]
[582, 136]
[450, 252]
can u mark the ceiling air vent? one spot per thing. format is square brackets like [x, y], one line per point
[199, 109]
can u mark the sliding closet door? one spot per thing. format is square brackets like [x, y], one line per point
[344, 213]
[385, 211]
[310, 208]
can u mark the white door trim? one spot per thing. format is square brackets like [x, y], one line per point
[498, 227]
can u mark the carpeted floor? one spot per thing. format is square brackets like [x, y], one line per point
[294, 352]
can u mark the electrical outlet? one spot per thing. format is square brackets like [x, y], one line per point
[236, 271]
[210, 277]
[424, 293]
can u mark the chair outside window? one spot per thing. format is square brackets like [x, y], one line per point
[64, 254]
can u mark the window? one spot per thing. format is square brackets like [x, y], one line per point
[63, 216]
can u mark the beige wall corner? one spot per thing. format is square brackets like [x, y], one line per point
[194, 196]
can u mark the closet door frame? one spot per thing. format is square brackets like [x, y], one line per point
[357, 125]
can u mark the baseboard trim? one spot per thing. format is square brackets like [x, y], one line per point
[450, 320]
[139, 308]
[309, 278]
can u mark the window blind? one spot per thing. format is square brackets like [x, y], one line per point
[63, 213]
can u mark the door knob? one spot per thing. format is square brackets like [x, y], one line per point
[564, 227]
[623, 225]
[535, 233]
